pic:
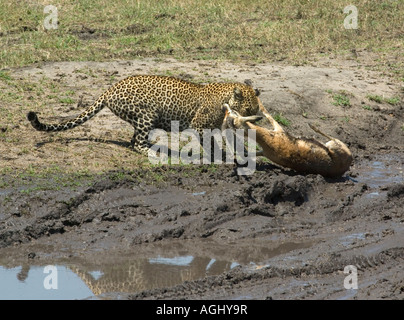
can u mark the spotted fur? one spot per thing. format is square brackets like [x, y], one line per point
[151, 102]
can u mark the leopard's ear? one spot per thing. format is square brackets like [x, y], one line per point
[238, 94]
[257, 92]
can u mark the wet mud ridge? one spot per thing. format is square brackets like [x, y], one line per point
[275, 234]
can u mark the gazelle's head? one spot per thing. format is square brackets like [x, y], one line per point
[234, 120]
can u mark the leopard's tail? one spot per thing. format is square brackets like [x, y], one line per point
[80, 119]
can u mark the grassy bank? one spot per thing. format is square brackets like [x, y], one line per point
[260, 30]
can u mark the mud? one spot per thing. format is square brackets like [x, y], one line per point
[205, 232]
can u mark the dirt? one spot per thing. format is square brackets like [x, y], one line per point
[205, 232]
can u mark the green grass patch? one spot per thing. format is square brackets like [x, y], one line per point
[5, 76]
[281, 119]
[341, 100]
[375, 98]
[393, 101]
[66, 100]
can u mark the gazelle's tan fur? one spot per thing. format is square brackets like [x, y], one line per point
[331, 159]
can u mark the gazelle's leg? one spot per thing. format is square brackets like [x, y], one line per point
[319, 132]
[276, 125]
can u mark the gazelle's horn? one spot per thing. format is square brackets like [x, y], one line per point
[251, 119]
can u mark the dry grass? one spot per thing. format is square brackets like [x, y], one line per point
[260, 30]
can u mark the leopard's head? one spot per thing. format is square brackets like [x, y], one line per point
[244, 100]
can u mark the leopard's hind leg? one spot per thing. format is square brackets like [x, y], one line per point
[143, 124]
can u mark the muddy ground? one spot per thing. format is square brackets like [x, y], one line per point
[205, 232]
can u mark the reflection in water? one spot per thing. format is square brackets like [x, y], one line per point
[144, 274]
[77, 281]
[31, 285]
[176, 261]
[135, 273]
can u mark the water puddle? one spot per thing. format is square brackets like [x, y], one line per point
[381, 171]
[128, 273]
[352, 238]
[30, 282]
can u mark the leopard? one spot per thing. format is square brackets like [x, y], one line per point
[149, 102]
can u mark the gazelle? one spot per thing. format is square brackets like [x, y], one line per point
[331, 159]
